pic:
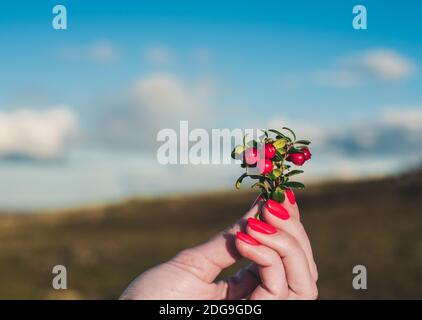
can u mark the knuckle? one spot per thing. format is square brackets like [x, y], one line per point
[316, 275]
[269, 258]
[193, 261]
[274, 289]
[311, 293]
[289, 242]
[185, 256]
[300, 229]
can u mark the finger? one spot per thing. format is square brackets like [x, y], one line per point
[298, 274]
[279, 216]
[243, 282]
[273, 283]
[208, 259]
[290, 204]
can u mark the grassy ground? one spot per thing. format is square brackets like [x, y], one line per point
[374, 223]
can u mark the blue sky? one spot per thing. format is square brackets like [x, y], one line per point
[236, 64]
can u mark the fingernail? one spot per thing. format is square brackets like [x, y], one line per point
[261, 226]
[291, 196]
[277, 209]
[246, 238]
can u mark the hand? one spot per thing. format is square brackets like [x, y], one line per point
[282, 263]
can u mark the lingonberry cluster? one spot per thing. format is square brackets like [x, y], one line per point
[271, 154]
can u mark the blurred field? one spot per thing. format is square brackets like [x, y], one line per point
[375, 223]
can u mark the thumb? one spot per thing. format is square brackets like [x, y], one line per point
[207, 260]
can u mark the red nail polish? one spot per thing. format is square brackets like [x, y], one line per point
[246, 238]
[277, 209]
[291, 196]
[261, 226]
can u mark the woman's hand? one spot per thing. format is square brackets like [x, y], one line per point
[282, 263]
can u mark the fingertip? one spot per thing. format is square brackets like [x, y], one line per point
[246, 238]
[290, 195]
[260, 227]
[276, 209]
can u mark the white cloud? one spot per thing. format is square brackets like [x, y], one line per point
[406, 118]
[168, 96]
[155, 101]
[367, 66]
[36, 134]
[392, 132]
[386, 64]
[158, 55]
[342, 78]
[103, 51]
[372, 147]
[317, 133]
[100, 51]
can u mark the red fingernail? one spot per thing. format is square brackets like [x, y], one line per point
[291, 196]
[261, 226]
[277, 209]
[246, 238]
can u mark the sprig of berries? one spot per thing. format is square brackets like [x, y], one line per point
[274, 172]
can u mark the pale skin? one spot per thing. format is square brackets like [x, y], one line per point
[282, 265]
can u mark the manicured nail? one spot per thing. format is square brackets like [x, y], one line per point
[261, 226]
[291, 196]
[246, 238]
[277, 209]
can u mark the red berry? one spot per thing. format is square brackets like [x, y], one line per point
[269, 151]
[265, 166]
[251, 156]
[297, 158]
[306, 153]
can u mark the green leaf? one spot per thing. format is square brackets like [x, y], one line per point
[240, 179]
[261, 185]
[278, 156]
[279, 143]
[237, 152]
[279, 135]
[261, 178]
[276, 132]
[269, 183]
[276, 173]
[239, 149]
[294, 185]
[294, 150]
[291, 131]
[305, 142]
[293, 172]
[278, 195]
